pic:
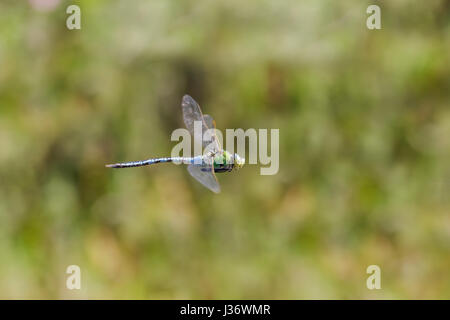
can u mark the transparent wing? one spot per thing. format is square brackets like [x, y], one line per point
[209, 121]
[205, 175]
[211, 124]
[191, 114]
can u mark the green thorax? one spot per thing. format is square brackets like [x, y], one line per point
[223, 160]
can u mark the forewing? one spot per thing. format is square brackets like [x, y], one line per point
[192, 113]
[213, 141]
[205, 175]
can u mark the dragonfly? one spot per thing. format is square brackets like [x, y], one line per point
[202, 167]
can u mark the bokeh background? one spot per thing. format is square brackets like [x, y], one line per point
[364, 175]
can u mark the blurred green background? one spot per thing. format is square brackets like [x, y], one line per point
[364, 175]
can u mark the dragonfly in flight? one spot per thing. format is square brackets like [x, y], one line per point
[202, 167]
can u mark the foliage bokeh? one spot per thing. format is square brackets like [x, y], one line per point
[364, 173]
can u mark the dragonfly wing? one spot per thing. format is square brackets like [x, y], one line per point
[213, 141]
[209, 121]
[205, 175]
[192, 113]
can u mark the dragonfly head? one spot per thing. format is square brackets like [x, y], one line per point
[238, 161]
